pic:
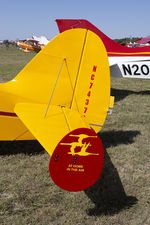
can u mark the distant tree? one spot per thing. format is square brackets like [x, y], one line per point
[6, 43]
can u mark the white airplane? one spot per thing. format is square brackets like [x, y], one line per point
[123, 61]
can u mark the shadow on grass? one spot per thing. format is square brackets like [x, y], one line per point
[108, 193]
[16, 147]
[114, 138]
[121, 94]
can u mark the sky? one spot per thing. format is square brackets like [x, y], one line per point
[116, 18]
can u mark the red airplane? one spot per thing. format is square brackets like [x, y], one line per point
[123, 61]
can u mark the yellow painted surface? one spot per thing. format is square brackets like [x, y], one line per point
[51, 129]
[111, 103]
[74, 119]
[11, 127]
[92, 92]
[71, 71]
[36, 81]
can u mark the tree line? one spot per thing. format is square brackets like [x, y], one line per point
[124, 41]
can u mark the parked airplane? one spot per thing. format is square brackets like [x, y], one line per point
[34, 43]
[28, 45]
[124, 62]
[62, 98]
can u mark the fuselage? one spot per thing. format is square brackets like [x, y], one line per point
[130, 66]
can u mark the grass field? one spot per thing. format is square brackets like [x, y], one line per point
[122, 194]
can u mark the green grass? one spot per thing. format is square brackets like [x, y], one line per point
[12, 61]
[122, 194]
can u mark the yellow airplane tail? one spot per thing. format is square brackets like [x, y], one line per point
[64, 90]
[72, 70]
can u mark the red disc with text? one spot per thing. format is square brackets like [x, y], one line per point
[77, 161]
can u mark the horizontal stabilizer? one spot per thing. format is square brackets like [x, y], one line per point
[49, 129]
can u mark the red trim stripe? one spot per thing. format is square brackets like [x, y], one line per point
[11, 114]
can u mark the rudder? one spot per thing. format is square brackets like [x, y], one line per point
[91, 95]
